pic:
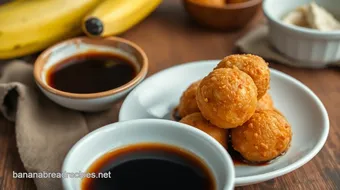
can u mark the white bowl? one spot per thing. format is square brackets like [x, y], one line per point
[159, 94]
[121, 134]
[311, 48]
[93, 101]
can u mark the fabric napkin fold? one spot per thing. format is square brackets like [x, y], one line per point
[256, 42]
[45, 131]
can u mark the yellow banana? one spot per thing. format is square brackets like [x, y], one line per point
[30, 26]
[32, 47]
[113, 17]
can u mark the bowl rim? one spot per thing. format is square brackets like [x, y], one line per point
[41, 61]
[313, 32]
[229, 166]
[231, 6]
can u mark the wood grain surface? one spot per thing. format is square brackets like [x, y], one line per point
[170, 37]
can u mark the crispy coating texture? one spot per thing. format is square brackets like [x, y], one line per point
[187, 103]
[265, 103]
[278, 111]
[264, 137]
[254, 66]
[198, 121]
[227, 97]
[216, 3]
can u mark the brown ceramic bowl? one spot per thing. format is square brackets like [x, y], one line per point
[92, 101]
[229, 16]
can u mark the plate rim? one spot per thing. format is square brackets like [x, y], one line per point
[252, 179]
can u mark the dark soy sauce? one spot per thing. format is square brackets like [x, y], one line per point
[175, 115]
[150, 167]
[91, 73]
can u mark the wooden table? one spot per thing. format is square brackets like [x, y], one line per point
[169, 37]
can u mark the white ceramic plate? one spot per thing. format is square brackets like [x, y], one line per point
[159, 94]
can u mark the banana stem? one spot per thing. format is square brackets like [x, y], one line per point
[94, 26]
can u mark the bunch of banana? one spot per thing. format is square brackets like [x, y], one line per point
[29, 26]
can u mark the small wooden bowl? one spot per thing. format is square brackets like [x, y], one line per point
[230, 16]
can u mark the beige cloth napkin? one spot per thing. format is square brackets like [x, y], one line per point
[44, 131]
[256, 42]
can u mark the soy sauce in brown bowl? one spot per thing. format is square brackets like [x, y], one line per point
[149, 166]
[91, 72]
[87, 74]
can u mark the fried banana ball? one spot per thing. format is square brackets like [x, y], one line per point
[254, 66]
[187, 103]
[278, 111]
[264, 137]
[198, 121]
[227, 97]
[265, 103]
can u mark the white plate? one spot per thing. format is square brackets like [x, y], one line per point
[159, 94]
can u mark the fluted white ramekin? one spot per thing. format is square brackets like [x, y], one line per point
[310, 48]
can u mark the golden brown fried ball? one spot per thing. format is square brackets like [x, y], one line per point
[227, 97]
[187, 103]
[198, 121]
[264, 137]
[254, 66]
[265, 103]
[278, 111]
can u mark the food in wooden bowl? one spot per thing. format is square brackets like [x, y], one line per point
[218, 3]
[222, 14]
[236, 1]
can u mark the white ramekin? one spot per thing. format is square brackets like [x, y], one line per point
[310, 48]
[122, 134]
